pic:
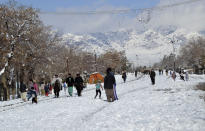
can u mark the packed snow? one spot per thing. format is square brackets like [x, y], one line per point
[166, 106]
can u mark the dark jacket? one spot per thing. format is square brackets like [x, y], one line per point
[57, 86]
[22, 87]
[70, 81]
[79, 82]
[152, 74]
[46, 88]
[109, 81]
[33, 93]
[124, 76]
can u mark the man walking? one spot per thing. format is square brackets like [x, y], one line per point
[70, 83]
[152, 76]
[79, 84]
[109, 82]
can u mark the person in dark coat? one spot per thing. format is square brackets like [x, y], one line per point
[46, 88]
[70, 82]
[124, 76]
[152, 76]
[23, 91]
[57, 87]
[79, 84]
[34, 95]
[109, 82]
[136, 73]
[182, 76]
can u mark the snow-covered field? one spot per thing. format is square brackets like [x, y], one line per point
[166, 106]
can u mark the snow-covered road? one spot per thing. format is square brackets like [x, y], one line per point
[168, 105]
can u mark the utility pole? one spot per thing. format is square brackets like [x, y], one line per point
[95, 61]
[173, 42]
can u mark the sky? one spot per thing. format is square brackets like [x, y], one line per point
[53, 5]
[189, 16]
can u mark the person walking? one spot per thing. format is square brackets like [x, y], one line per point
[79, 84]
[70, 83]
[57, 87]
[98, 86]
[35, 85]
[136, 73]
[34, 95]
[109, 83]
[152, 76]
[56, 84]
[124, 76]
[167, 72]
[23, 91]
[46, 88]
[65, 87]
[41, 88]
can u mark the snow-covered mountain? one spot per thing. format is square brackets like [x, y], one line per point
[141, 47]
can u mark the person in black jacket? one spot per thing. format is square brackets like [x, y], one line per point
[57, 87]
[79, 84]
[109, 82]
[23, 91]
[34, 95]
[124, 76]
[152, 76]
[70, 83]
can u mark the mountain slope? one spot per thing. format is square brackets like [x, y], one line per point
[141, 47]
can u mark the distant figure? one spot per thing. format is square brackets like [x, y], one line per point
[23, 91]
[152, 76]
[35, 85]
[98, 86]
[136, 73]
[174, 76]
[70, 83]
[162, 71]
[181, 76]
[124, 76]
[34, 95]
[79, 84]
[166, 72]
[65, 87]
[42, 90]
[109, 83]
[57, 87]
[187, 76]
[46, 88]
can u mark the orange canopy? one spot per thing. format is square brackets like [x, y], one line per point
[94, 77]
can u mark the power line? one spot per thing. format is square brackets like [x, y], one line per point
[121, 11]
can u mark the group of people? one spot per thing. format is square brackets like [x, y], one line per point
[57, 85]
[32, 90]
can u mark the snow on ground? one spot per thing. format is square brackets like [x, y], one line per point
[166, 106]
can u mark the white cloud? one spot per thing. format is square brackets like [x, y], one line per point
[89, 23]
[189, 16]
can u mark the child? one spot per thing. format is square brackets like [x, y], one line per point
[46, 88]
[98, 85]
[34, 95]
[65, 87]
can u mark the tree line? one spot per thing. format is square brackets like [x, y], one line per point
[31, 50]
[191, 55]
